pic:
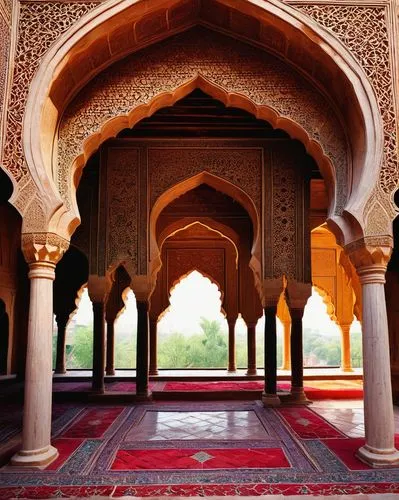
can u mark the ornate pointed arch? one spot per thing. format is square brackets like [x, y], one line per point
[219, 184]
[118, 28]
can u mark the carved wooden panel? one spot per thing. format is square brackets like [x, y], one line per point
[237, 67]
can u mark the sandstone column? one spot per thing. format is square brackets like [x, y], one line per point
[42, 252]
[60, 362]
[141, 287]
[379, 449]
[232, 365]
[251, 344]
[346, 361]
[153, 345]
[272, 289]
[297, 295]
[110, 356]
[286, 364]
[98, 288]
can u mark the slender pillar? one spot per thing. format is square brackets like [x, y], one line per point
[232, 366]
[98, 347]
[60, 362]
[269, 397]
[153, 346]
[142, 362]
[36, 447]
[297, 391]
[286, 346]
[346, 361]
[110, 365]
[379, 449]
[251, 343]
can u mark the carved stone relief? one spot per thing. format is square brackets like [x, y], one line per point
[40, 24]
[240, 166]
[236, 67]
[122, 206]
[207, 260]
[364, 30]
[287, 232]
[5, 40]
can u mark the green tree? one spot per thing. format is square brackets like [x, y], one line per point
[81, 354]
[215, 343]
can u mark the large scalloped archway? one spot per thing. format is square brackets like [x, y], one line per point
[72, 60]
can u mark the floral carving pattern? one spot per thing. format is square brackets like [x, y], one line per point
[4, 55]
[40, 24]
[241, 166]
[239, 68]
[122, 203]
[364, 30]
[284, 225]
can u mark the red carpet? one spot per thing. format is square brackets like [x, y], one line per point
[307, 425]
[176, 459]
[93, 423]
[315, 393]
[346, 450]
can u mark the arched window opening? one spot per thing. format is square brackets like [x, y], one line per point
[126, 334]
[193, 331]
[321, 335]
[79, 335]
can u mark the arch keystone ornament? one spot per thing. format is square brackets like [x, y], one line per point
[42, 252]
[370, 257]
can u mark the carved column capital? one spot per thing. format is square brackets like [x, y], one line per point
[297, 294]
[142, 287]
[98, 288]
[272, 289]
[43, 247]
[370, 256]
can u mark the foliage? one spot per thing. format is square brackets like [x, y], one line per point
[208, 349]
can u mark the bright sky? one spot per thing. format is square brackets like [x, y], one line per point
[196, 296]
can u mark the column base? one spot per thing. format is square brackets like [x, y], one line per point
[378, 460]
[60, 371]
[270, 400]
[252, 371]
[145, 396]
[35, 458]
[231, 369]
[110, 372]
[153, 372]
[297, 396]
[347, 369]
[98, 390]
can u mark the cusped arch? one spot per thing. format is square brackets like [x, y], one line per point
[327, 301]
[185, 275]
[206, 222]
[187, 185]
[70, 63]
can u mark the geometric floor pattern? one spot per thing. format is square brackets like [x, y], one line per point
[197, 449]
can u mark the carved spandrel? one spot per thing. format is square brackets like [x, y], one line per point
[238, 68]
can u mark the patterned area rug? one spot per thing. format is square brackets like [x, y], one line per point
[197, 449]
